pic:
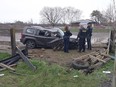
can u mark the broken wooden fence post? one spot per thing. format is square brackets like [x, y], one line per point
[13, 42]
[25, 59]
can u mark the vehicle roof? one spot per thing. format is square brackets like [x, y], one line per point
[41, 28]
[34, 27]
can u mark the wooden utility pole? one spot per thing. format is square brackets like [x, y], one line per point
[114, 73]
[13, 41]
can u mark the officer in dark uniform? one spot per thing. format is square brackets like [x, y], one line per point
[66, 38]
[89, 34]
[81, 36]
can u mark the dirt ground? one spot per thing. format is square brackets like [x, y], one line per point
[58, 57]
[50, 55]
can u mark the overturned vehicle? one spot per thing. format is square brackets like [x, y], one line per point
[36, 36]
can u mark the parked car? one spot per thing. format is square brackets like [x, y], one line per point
[36, 36]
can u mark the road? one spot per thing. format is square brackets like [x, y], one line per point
[96, 37]
[7, 38]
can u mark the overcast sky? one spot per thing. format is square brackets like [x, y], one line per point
[25, 10]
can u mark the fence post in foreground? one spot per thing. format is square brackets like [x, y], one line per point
[114, 72]
[13, 42]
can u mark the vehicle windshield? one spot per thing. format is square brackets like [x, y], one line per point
[61, 32]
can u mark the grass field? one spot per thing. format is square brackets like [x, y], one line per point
[95, 30]
[50, 75]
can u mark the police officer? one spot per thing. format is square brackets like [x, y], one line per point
[89, 34]
[66, 37]
[81, 36]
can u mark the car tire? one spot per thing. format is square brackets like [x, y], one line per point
[30, 44]
[80, 64]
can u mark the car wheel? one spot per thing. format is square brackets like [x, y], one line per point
[80, 64]
[30, 44]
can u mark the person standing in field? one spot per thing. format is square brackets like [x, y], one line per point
[89, 34]
[66, 38]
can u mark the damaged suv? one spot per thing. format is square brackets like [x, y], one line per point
[36, 36]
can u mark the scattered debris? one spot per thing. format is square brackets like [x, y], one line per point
[12, 61]
[106, 72]
[41, 56]
[91, 61]
[80, 64]
[43, 49]
[6, 66]
[25, 59]
[76, 76]
[1, 74]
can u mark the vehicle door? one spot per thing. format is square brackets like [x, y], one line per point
[40, 37]
[43, 37]
[49, 36]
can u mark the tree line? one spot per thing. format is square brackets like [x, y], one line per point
[107, 16]
[56, 15]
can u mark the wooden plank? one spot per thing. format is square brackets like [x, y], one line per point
[25, 59]
[6, 66]
[99, 64]
[9, 65]
[93, 61]
[97, 58]
[99, 45]
[107, 55]
[82, 57]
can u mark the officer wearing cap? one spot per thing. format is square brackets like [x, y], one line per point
[89, 34]
[81, 36]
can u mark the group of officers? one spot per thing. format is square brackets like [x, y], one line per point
[83, 36]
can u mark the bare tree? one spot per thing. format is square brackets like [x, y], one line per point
[59, 15]
[114, 10]
[109, 14]
[51, 15]
[71, 14]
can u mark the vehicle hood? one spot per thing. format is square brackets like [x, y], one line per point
[73, 36]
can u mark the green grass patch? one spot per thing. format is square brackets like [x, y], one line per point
[51, 76]
[94, 30]
[4, 56]
[101, 30]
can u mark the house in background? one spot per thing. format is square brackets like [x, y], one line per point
[83, 22]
